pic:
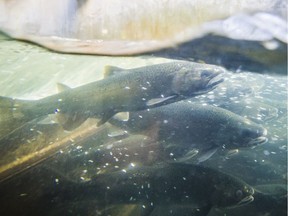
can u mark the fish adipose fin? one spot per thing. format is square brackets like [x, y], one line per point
[112, 70]
[62, 87]
[160, 101]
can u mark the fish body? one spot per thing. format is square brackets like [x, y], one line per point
[134, 150]
[164, 184]
[126, 90]
[186, 126]
[268, 200]
[130, 151]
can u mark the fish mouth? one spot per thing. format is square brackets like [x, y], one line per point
[245, 200]
[214, 80]
[258, 141]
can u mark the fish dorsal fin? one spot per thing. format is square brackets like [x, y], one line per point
[62, 87]
[112, 70]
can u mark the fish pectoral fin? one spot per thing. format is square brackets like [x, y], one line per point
[112, 70]
[70, 121]
[160, 101]
[105, 117]
[189, 155]
[121, 134]
[207, 154]
[171, 146]
[131, 209]
[62, 87]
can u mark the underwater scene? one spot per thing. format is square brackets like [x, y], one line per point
[169, 114]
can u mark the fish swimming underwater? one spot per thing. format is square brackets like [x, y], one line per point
[188, 128]
[269, 199]
[160, 185]
[124, 90]
[134, 150]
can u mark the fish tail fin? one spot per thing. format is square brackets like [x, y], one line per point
[13, 108]
[13, 114]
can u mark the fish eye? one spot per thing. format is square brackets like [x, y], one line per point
[239, 193]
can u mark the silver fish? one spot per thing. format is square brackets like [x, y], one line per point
[125, 90]
[184, 127]
[161, 185]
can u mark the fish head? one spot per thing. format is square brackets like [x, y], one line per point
[231, 192]
[241, 132]
[196, 80]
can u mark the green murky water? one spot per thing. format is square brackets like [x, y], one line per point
[38, 156]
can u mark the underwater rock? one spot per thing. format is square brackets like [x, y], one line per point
[236, 55]
[118, 27]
